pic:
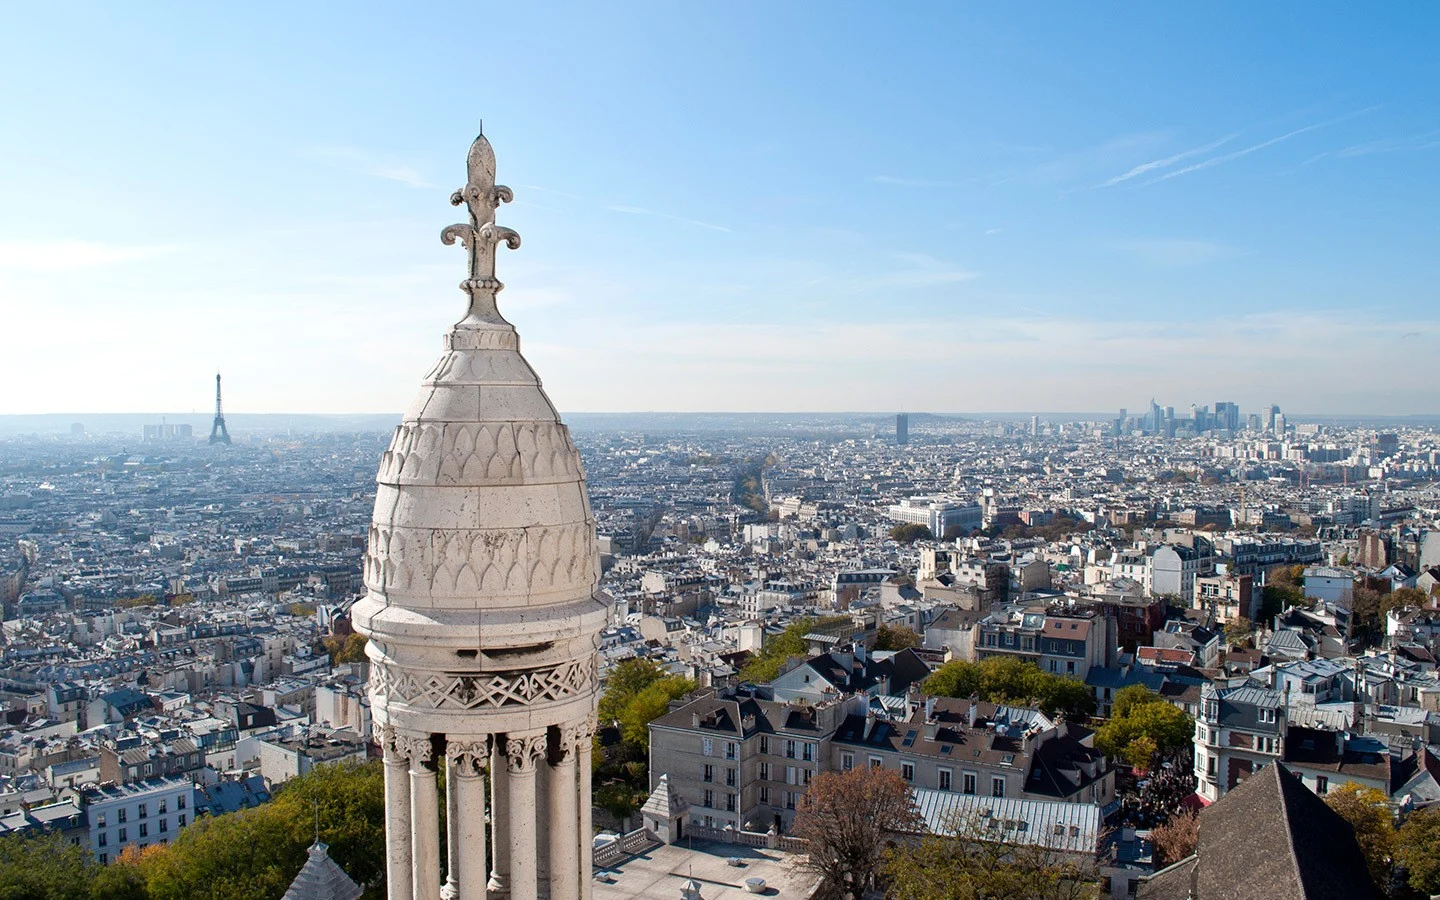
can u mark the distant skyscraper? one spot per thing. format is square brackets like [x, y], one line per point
[1034, 424]
[1227, 416]
[1270, 418]
[902, 428]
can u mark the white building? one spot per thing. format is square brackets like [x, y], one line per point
[938, 514]
[140, 813]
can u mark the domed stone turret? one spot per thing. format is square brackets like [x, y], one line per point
[481, 606]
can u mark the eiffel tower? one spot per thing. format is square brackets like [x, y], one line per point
[218, 434]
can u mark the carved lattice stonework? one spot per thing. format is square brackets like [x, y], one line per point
[483, 691]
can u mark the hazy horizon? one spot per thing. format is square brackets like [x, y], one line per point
[797, 207]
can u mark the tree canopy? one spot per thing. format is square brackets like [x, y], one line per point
[1005, 679]
[764, 666]
[1143, 728]
[896, 637]
[1368, 812]
[253, 854]
[1417, 850]
[909, 534]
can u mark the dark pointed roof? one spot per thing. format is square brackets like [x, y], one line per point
[1270, 837]
[322, 879]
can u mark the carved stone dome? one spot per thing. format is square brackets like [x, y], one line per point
[482, 566]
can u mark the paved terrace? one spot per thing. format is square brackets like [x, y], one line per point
[660, 872]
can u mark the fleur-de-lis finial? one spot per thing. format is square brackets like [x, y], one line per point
[480, 236]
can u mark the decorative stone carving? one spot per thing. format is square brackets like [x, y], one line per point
[469, 757]
[524, 751]
[493, 691]
[479, 454]
[401, 747]
[471, 562]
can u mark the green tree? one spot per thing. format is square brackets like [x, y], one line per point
[346, 648]
[1368, 812]
[765, 665]
[895, 638]
[650, 704]
[43, 867]
[1005, 679]
[1139, 715]
[1239, 630]
[1401, 598]
[1417, 849]
[909, 534]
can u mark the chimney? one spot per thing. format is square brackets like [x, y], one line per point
[974, 710]
[929, 709]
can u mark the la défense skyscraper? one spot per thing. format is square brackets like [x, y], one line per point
[482, 610]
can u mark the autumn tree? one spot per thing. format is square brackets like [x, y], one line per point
[1368, 812]
[1239, 630]
[1417, 850]
[969, 863]
[1176, 838]
[896, 637]
[847, 818]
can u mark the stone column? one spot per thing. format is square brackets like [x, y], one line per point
[397, 817]
[523, 751]
[468, 865]
[451, 890]
[499, 819]
[583, 748]
[424, 820]
[564, 831]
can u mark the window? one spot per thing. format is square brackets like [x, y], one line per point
[967, 782]
[729, 802]
[123, 836]
[104, 858]
[1322, 785]
[120, 814]
[143, 811]
[764, 794]
[164, 806]
[764, 743]
[847, 761]
[876, 762]
[1211, 765]
[731, 750]
[707, 746]
[789, 749]
[709, 800]
[729, 777]
[164, 825]
[180, 803]
[100, 820]
[709, 773]
[944, 779]
[1267, 716]
[997, 787]
[1070, 668]
[806, 775]
[764, 771]
[807, 752]
[180, 821]
[790, 776]
[144, 829]
[103, 840]
[790, 799]
[907, 771]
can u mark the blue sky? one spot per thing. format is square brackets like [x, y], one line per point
[738, 206]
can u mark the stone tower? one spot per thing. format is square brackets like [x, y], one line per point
[481, 610]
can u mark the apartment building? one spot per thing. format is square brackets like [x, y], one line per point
[1063, 640]
[140, 813]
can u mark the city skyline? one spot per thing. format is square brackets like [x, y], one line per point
[958, 210]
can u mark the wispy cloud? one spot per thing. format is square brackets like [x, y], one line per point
[65, 253]
[366, 162]
[1426, 141]
[1237, 154]
[1169, 160]
[921, 270]
[919, 182]
[641, 211]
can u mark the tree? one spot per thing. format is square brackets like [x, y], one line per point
[970, 864]
[1140, 753]
[765, 665]
[44, 867]
[1368, 812]
[346, 648]
[1239, 630]
[1176, 838]
[847, 817]
[909, 534]
[1365, 606]
[1138, 714]
[1417, 850]
[897, 638]
[1005, 679]
[1401, 598]
[649, 705]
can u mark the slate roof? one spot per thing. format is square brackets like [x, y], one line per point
[322, 879]
[1268, 837]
